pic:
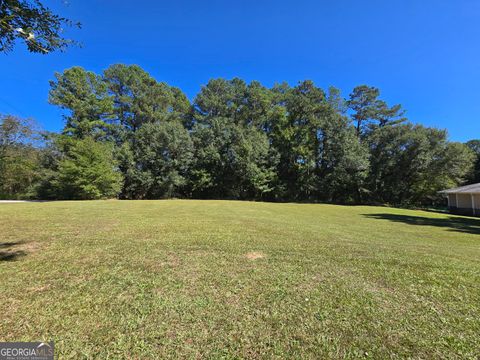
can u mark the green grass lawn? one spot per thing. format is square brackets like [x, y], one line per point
[225, 279]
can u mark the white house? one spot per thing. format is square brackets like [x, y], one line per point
[464, 200]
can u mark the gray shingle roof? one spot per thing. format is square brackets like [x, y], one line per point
[469, 189]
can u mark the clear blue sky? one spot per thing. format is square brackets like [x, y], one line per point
[423, 54]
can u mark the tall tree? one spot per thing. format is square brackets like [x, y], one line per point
[85, 95]
[343, 161]
[220, 98]
[295, 134]
[139, 99]
[321, 158]
[35, 24]
[369, 111]
[233, 156]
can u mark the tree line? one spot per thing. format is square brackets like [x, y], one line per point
[129, 136]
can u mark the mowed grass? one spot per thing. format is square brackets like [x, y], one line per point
[225, 279]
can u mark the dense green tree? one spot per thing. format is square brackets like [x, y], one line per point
[343, 162]
[87, 171]
[50, 155]
[139, 99]
[35, 24]
[19, 158]
[319, 158]
[474, 177]
[244, 104]
[85, 95]
[455, 165]
[231, 161]
[220, 98]
[411, 163]
[233, 155]
[300, 111]
[160, 161]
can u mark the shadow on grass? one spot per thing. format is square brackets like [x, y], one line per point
[8, 251]
[464, 225]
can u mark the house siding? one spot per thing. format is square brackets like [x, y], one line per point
[464, 201]
[461, 204]
[452, 200]
[477, 201]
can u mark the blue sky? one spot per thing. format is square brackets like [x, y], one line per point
[423, 54]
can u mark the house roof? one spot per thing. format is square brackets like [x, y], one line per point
[469, 189]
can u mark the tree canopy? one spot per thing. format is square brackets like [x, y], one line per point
[128, 135]
[474, 145]
[19, 162]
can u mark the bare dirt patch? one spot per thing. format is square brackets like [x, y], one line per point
[11, 251]
[254, 255]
